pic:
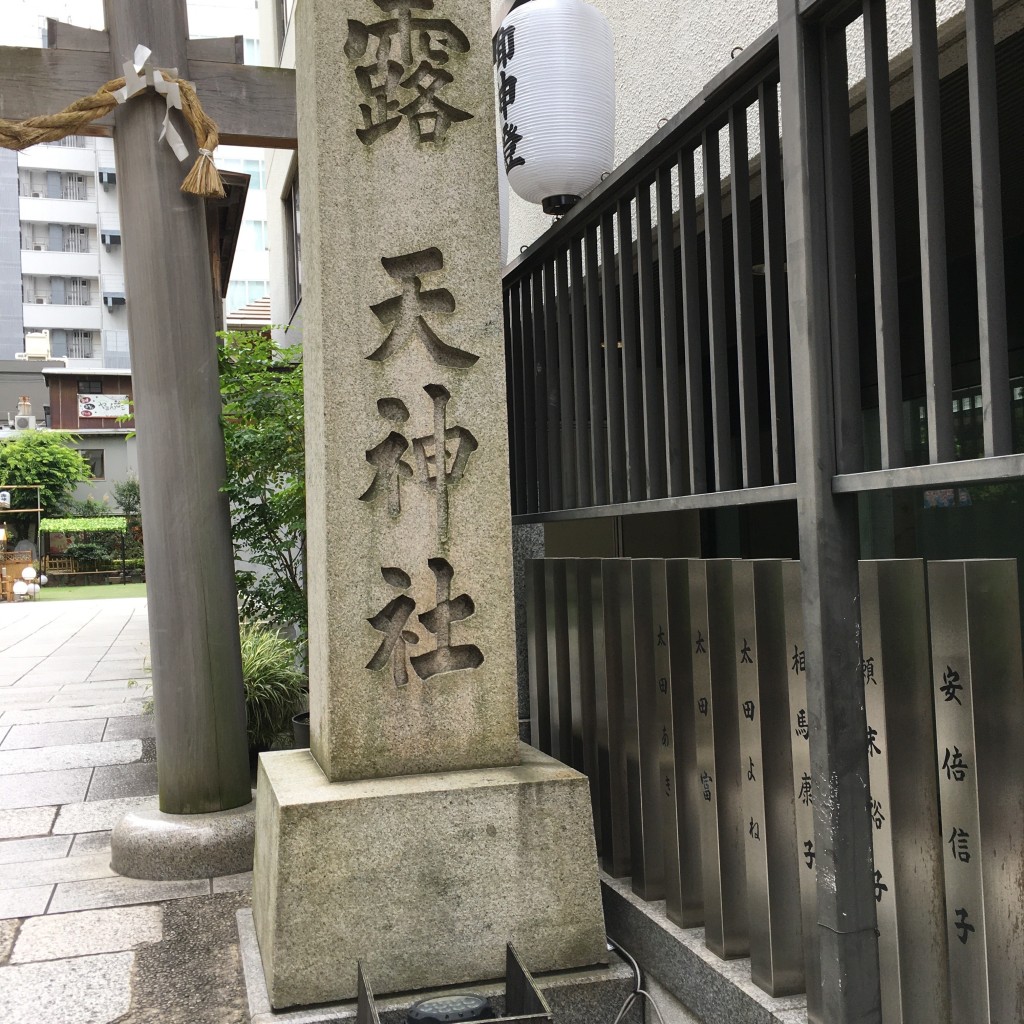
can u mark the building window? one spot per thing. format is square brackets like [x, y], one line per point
[94, 456]
[293, 219]
[80, 345]
[241, 293]
[90, 386]
[254, 168]
[254, 235]
[252, 51]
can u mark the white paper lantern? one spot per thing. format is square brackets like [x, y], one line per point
[20, 588]
[43, 579]
[28, 573]
[555, 65]
[33, 589]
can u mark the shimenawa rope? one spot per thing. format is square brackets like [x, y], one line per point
[203, 180]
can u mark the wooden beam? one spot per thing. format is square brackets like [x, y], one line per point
[253, 106]
[35, 81]
[61, 36]
[226, 50]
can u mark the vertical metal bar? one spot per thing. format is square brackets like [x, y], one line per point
[932, 215]
[613, 363]
[574, 755]
[842, 262]
[581, 397]
[630, 357]
[988, 227]
[743, 276]
[515, 448]
[527, 367]
[693, 341]
[690, 910]
[883, 236]
[828, 551]
[366, 1007]
[677, 481]
[537, 654]
[540, 402]
[725, 478]
[904, 798]
[593, 688]
[597, 356]
[552, 404]
[766, 768]
[620, 675]
[718, 759]
[773, 214]
[799, 730]
[653, 403]
[565, 382]
[978, 691]
[559, 695]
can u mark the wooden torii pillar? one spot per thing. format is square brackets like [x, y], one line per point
[199, 704]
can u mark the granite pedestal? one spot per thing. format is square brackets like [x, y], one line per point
[422, 878]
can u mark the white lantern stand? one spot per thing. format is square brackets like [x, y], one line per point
[555, 67]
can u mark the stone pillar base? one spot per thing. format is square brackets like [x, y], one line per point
[422, 878]
[147, 843]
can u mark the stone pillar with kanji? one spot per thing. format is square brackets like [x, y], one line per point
[416, 836]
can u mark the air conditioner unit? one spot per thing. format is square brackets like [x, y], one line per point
[24, 423]
[37, 248]
[40, 302]
[37, 195]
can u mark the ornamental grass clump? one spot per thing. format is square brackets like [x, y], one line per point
[273, 685]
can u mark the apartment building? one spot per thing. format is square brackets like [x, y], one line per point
[72, 271]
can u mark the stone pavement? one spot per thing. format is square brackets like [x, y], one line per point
[78, 943]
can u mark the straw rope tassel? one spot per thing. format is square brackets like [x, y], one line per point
[203, 180]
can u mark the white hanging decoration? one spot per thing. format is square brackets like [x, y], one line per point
[555, 66]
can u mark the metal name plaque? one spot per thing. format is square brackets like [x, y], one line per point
[896, 673]
[718, 758]
[537, 654]
[587, 668]
[978, 693]
[690, 885]
[620, 677]
[766, 771]
[559, 695]
[799, 731]
[659, 878]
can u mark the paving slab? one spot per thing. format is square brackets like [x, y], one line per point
[86, 990]
[132, 727]
[35, 789]
[88, 932]
[23, 716]
[64, 869]
[23, 903]
[78, 755]
[13, 851]
[53, 734]
[119, 892]
[123, 780]
[96, 815]
[87, 697]
[242, 882]
[26, 821]
[91, 842]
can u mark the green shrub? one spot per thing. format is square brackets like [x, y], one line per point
[273, 685]
[86, 554]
